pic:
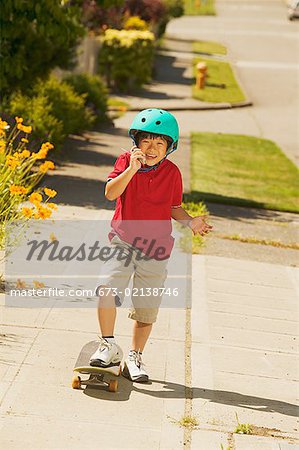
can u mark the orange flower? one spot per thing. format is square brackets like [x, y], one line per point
[44, 213]
[24, 140]
[50, 192]
[47, 165]
[38, 284]
[2, 146]
[27, 212]
[11, 161]
[19, 119]
[17, 190]
[17, 155]
[42, 154]
[26, 129]
[44, 150]
[3, 126]
[35, 198]
[20, 284]
[25, 153]
[52, 206]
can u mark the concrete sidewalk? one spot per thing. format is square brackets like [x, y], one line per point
[236, 349]
[234, 352]
[171, 88]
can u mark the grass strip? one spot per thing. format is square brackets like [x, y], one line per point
[199, 8]
[221, 85]
[242, 170]
[209, 47]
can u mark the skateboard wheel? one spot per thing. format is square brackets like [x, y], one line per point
[76, 382]
[113, 384]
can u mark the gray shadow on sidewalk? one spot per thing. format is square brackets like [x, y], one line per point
[79, 191]
[165, 73]
[168, 390]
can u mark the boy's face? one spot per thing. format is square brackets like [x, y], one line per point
[153, 148]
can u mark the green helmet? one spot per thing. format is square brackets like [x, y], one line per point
[156, 121]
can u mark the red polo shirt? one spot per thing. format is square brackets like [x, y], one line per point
[149, 197]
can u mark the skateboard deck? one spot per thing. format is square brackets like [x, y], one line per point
[96, 374]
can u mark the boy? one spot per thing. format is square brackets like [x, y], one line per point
[147, 187]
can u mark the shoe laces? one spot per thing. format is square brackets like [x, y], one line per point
[104, 345]
[136, 357]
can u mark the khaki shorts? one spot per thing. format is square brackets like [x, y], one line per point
[148, 279]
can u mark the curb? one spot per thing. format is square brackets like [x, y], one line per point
[215, 106]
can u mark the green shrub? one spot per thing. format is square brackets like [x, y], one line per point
[135, 23]
[54, 110]
[37, 112]
[95, 90]
[126, 58]
[67, 106]
[174, 8]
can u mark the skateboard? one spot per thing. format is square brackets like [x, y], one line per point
[96, 374]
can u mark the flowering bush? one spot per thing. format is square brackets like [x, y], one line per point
[20, 172]
[148, 10]
[135, 23]
[126, 58]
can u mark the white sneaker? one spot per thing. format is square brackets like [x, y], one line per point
[108, 354]
[134, 368]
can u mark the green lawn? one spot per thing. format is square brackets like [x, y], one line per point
[221, 85]
[199, 8]
[209, 47]
[242, 170]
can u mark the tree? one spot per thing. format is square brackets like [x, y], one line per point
[36, 36]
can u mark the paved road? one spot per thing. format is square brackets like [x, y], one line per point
[264, 46]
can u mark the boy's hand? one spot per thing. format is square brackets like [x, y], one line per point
[137, 158]
[199, 226]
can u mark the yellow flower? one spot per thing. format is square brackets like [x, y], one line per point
[50, 192]
[17, 155]
[53, 237]
[52, 206]
[27, 212]
[44, 150]
[24, 140]
[44, 213]
[35, 198]
[47, 165]
[38, 284]
[17, 190]
[25, 153]
[42, 154]
[20, 284]
[2, 146]
[26, 129]
[19, 119]
[3, 126]
[47, 145]
[11, 161]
